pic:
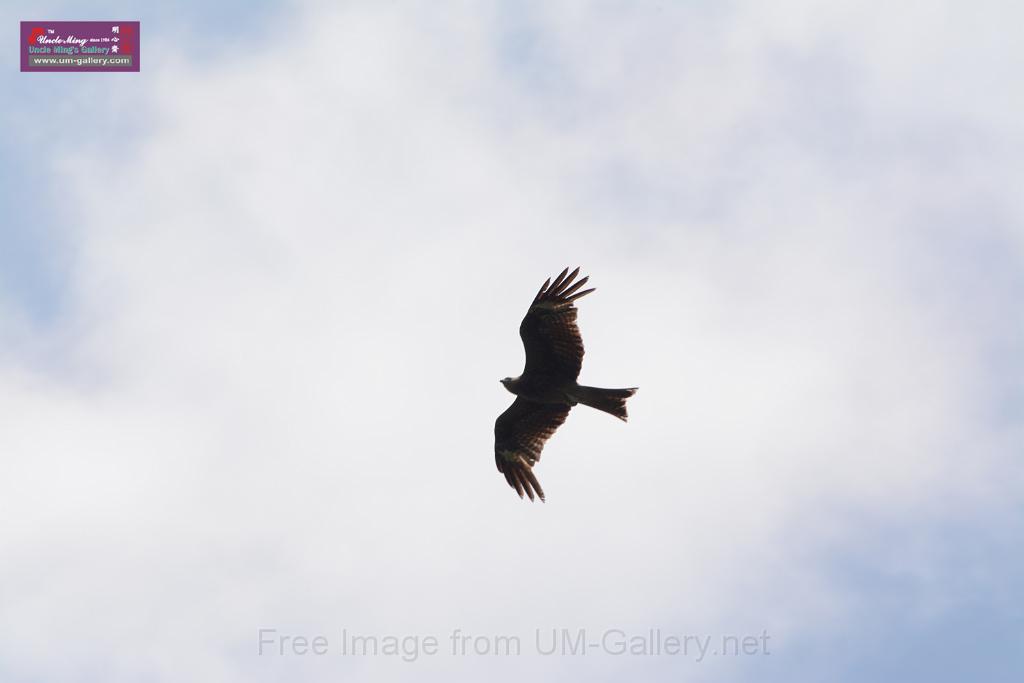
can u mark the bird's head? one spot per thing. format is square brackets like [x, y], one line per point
[507, 383]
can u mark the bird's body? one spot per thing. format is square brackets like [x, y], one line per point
[541, 390]
[547, 388]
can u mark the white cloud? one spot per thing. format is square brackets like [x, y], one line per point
[294, 296]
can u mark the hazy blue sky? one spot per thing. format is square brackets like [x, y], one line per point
[255, 301]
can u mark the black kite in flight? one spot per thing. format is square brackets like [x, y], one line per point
[547, 389]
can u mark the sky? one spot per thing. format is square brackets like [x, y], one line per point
[255, 301]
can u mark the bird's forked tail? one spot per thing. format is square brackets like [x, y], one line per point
[611, 401]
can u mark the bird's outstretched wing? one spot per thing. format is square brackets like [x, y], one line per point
[554, 348]
[519, 436]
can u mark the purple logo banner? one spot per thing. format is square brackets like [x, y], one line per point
[79, 46]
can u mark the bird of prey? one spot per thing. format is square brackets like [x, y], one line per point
[547, 389]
